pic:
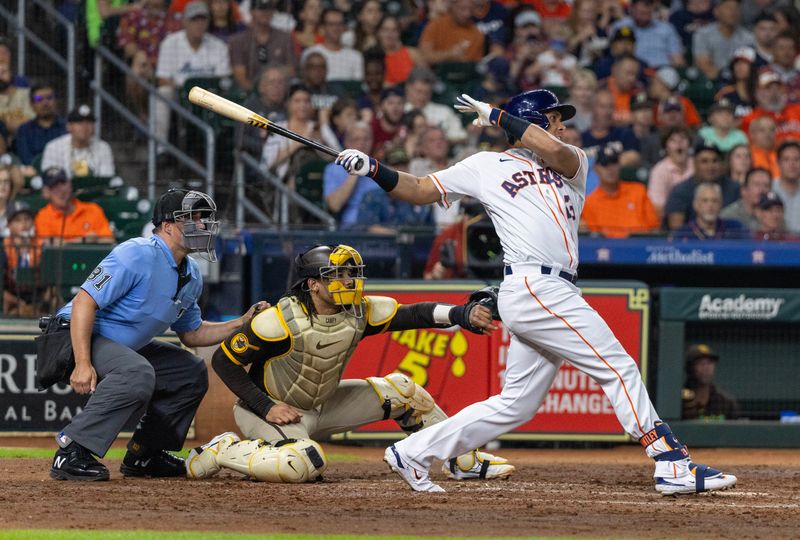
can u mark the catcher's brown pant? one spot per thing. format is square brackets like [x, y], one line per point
[354, 404]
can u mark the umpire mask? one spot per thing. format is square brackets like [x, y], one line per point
[198, 214]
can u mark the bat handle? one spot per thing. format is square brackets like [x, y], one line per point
[359, 163]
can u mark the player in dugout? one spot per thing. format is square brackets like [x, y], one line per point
[293, 394]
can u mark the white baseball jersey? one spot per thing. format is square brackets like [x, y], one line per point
[534, 209]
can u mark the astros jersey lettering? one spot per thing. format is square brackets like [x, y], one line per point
[535, 210]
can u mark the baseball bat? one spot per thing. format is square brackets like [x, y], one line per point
[234, 111]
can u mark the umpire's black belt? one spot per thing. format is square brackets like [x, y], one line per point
[543, 269]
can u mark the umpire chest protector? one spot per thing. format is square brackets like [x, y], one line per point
[309, 374]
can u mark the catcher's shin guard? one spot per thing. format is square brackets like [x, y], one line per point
[287, 462]
[202, 461]
[406, 402]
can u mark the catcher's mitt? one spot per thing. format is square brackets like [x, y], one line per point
[486, 297]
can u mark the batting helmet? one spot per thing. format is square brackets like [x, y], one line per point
[541, 101]
[343, 269]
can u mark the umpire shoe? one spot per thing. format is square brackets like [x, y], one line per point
[159, 465]
[477, 464]
[77, 463]
[416, 478]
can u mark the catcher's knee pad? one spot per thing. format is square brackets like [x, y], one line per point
[287, 462]
[406, 402]
[202, 462]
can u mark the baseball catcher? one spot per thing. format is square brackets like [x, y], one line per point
[293, 394]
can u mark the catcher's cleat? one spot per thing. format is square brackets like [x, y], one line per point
[77, 463]
[417, 479]
[477, 464]
[676, 474]
[159, 465]
[684, 477]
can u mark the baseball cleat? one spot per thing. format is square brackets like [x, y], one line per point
[417, 479]
[477, 464]
[77, 463]
[202, 461]
[684, 477]
[159, 465]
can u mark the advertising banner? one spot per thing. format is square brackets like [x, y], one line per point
[692, 304]
[459, 368]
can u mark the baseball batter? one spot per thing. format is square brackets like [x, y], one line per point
[534, 193]
[297, 352]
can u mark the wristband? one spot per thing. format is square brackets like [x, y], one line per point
[515, 127]
[386, 177]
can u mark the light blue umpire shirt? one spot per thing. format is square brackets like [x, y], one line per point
[136, 291]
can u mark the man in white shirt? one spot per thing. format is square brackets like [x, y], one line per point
[344, 63]
[192, 52]
[79, 152]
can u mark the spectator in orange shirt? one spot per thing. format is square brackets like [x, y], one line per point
[772, 98]
[623, 85]
[762, 144]
[452, 37]
[617, 209]
[65, 219]
[664, 86]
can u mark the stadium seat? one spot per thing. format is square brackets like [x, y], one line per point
[67, 267]
[308, 181]
[351, 89]
[35, 201]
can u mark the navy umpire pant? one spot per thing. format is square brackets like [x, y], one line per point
[166, 379]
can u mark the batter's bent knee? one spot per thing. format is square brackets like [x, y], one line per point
[288, 462]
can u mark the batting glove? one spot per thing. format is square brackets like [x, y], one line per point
[487, 115]
[355, 162]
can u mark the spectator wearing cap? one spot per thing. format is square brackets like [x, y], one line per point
[787, 184]
[784, 54]
[419, 94]
[744, 77]
[756, 183]
[33, 135]
[708, 169]
[191, 52]
[379, 213]
[527, 44]
[706, 223]
[772, 100]
[22, 250]
[643, 128]
[714, 44]
[269, 100]
[617, 209]
[79, 152]
[587, 24]
[65, 219]
[623, 85]
[604, 131]
[700, 398]
[765, 30]
[581, 96]
[452, 36]
[762, 144]
[344, 63]
[623, 42]
[676, 166]
[387, 125]
[670, 113]
[657, 42]
[343, 192]
[770, 224]
[399, 59]
[260, 46]
[722, 131]
[664, 86]
[690, 17]
[15, 105]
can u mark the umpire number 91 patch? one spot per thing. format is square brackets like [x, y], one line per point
[103, 280]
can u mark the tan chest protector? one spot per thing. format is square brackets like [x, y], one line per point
[310, 373]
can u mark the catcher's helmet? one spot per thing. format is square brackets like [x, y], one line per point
[541, 100]
[343, 269]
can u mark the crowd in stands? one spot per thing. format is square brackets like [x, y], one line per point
[689, 110]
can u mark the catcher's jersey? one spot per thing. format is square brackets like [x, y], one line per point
[534, 209]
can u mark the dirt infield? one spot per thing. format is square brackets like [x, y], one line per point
[598, 493]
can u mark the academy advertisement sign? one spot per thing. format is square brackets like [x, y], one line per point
[459, 368]
[730, 305]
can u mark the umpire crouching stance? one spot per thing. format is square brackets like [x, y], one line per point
[143, 287]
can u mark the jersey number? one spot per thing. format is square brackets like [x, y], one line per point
[523, 179]
[103, 280]
[570, 210]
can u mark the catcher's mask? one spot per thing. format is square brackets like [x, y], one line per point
[198, 214]
[341, 269]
